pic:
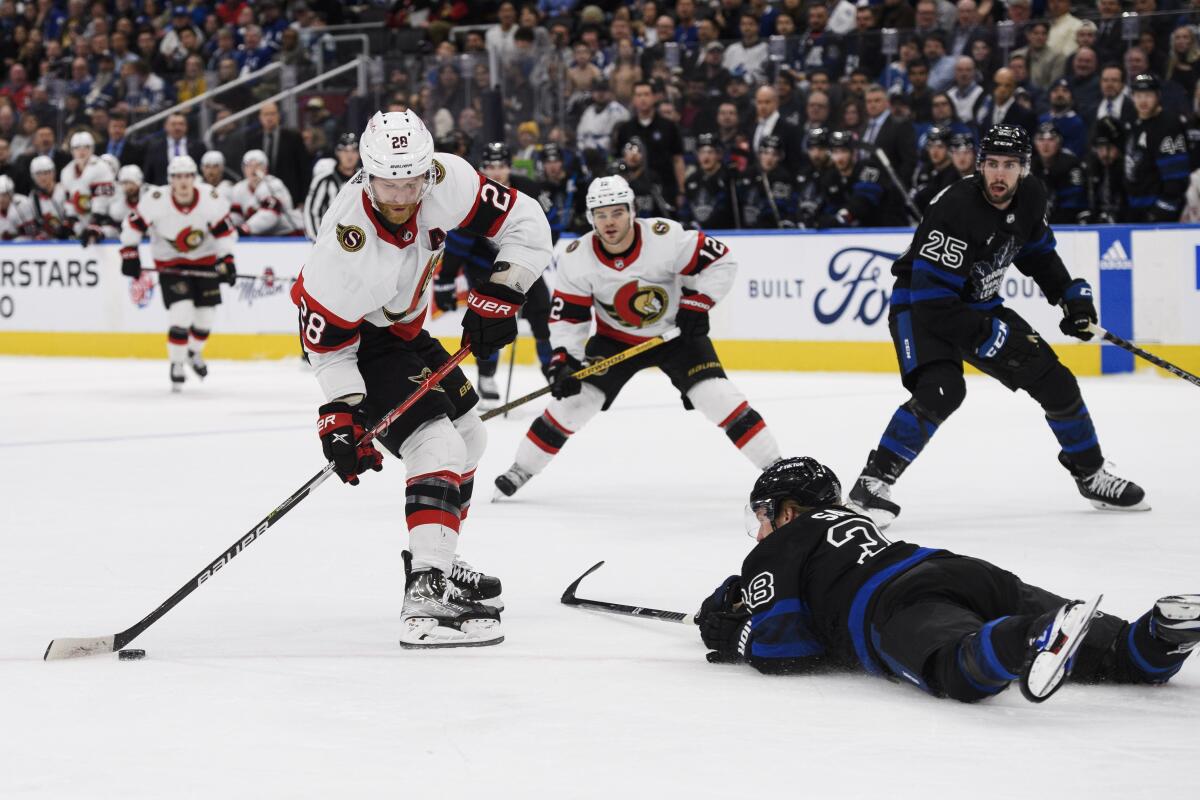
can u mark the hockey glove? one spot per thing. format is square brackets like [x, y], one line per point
[91, 234]
[227, 270]
[445, 296]
[721, 619]
[1079, 310]
[692, 317]
[491, 319]
[340, 426]
[558, 373]
[1002, 345]
[63, 232]
[131, 264]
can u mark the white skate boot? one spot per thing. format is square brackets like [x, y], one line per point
[1052, 651]
[177, 377]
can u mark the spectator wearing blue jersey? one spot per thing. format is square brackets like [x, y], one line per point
[1062, 113]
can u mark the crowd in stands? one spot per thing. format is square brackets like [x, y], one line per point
[724, 114]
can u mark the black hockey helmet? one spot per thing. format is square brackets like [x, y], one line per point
[1005, 140]
[346, 141]
[551, 152]
[939, 133]
[495, 153]
[708, 140]
[962, 141]
[802, 479]
[1145, 83]
[818, 137]
[843, 140]
[1047, 130]
[1108, 131]
[770, 142]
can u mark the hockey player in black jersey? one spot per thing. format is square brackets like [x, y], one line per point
[946, 309]
[767, 191]
[810, 198]
[962, 154]
[936, 171]
[475, 256]
[710, 188]
[561, 194]
[1061, 172]
[1104, 173]
[647, 190]
[856, 193]
[823, 589]
[1156, 158]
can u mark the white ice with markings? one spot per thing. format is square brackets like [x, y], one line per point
[281, 677]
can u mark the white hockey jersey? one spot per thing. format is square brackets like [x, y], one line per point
[634, 297]
[49, 212]
[120, 208]
[89, 191]
[195, 236]
[265, 210]
[17, 221]
[360, 272]
[224, 191]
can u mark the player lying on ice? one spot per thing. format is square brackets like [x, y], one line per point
[822, 588]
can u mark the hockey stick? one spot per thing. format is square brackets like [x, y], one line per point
[569, 598]
[886, 163]
[72, 648]
[591, 369]
[199, 273]
[1112, 338]
[512, 363]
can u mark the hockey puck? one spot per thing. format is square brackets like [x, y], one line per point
[131, 655]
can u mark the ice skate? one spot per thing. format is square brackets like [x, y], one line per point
[198, 365]
[1176, 620]
[177, 377]
[489, 392]
[508, 483]
[1105, 490]
[872, 495]
[467, 583]
[1053, 647]
[434, 617]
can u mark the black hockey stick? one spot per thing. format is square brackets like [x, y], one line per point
[913, 212]
[569, 598]
[199, 273]
[512, 363]
[1112, 338]
[71, 648]
[591, 369]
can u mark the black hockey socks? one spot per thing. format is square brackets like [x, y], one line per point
[983, 663]
[177, 337]
[1151, 658]
[742, 425]
[906, 435]
[548, 434]
[433, 499]
[466, 487]
[1076, 436]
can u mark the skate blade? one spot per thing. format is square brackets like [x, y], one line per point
[1103, 506]
[425, 634]
[1049, 669]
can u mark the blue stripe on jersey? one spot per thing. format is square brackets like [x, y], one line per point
[987, 305]
[966, 673]
[991, 662]
[901, 297]
[783, 632]
[872, 191]
[937, 293]
[1157, 674]
[1141, 201]
[1042, 245]
[858, 608]
[926, 273]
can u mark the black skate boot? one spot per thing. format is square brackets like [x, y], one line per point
[872, 494]
[177, 377]
[434, 616]
[198, 365]
[1055, 638]
[1105, 490]
[1176, 620]
[467, 583]
[508, 483]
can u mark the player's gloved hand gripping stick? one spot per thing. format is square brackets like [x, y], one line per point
[591, 369]
[71, 648]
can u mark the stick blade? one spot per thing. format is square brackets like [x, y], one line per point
[77, 648]
[568, 595]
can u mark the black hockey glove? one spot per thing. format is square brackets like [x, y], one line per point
[63, 232]
[558, 373]
[1079, 310]
[721, 619]
[227, 270]
[91, 234]
[131, 264]
[1003, 346]
[491, 319]
[692, 317]
[445, 296]
[340, 425]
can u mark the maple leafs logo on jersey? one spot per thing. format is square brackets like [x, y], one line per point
[351, 238]
[187, 239]
[637, 306]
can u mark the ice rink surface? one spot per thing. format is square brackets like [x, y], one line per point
[281, 678]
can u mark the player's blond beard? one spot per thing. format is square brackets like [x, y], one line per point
[396, 214]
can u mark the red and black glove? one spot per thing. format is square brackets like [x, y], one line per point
[558, 372]
[340, 426]
[692, 317]
[131, 264]
[226, 270]
[490, 322]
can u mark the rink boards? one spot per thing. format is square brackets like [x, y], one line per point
[801, 301]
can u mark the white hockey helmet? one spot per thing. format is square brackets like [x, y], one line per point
[131, 173]
[82, 139]
[608, 191]
[396, 144]
[213, 158]
[6, 185]
[255, 157]
[41, 164]
[323, 167]
[181, 165]
[112, 162]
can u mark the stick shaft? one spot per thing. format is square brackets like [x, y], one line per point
[200, 273]
[569, 598]
[1112, 338]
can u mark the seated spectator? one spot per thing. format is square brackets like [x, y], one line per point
[941, 65]
[1181, 65]
[1084, 79]
[1045, 65]
[747, 57]
[193, 83]
[17, 88]
[819, 47]
[600, 119]
[966, 94]
[1002, 106]
[1070, 126]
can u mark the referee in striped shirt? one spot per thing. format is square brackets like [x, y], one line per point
[326, 188]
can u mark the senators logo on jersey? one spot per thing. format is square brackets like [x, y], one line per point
[187, 239]
[351, 238]
[82, 202]
[637, 306]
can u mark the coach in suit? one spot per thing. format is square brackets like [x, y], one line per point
[768, 122]
[897, 138]
[287, 158]
[1002, 106]
[174, 142]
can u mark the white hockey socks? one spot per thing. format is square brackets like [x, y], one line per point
[434, 455]
[474, 435]
[202, 322]
[720, 401]
[550, 431]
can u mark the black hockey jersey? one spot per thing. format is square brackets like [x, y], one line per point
[1156, 169]
[1105, 191]
[860, 199]
[767, 200]
[710, 199]
[810, 196]
[952, 271]
[929, 181]
[810, 588]
[1065, 190]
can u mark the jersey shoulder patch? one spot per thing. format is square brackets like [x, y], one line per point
[352, 238]
[660, 227]
[573, 246]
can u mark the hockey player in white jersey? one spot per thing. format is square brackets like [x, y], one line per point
[131, 186]
[363, 295]
[261, 204]
[48, 201]
[640, 277]
[16, 213]
[89, 185]
[189, 229]
[212, 169]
